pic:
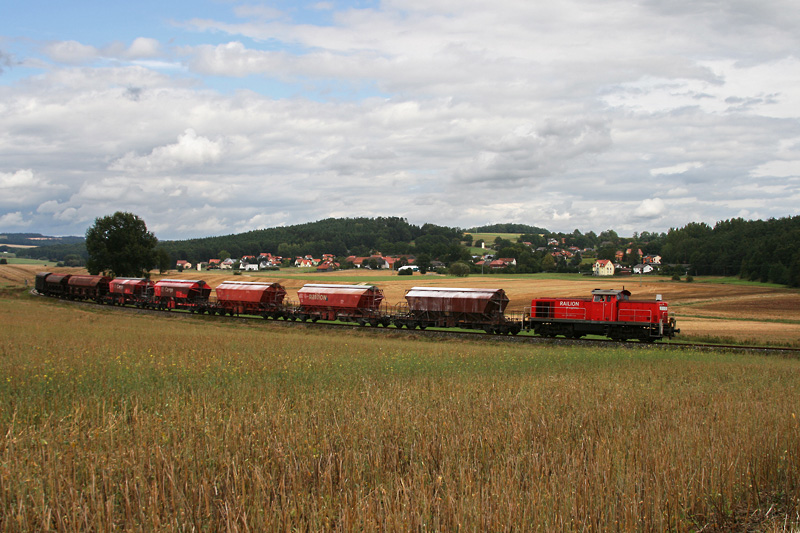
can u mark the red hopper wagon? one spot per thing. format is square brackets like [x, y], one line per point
[349, 303]
[252, 298]
[181, 294]
[457, 307]
[53, 284]
[123, 291]
[610, 313]
[86, 287]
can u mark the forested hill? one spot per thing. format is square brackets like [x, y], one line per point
[509, 228]
[337, 236]
[37, 239]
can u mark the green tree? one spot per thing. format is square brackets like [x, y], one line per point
[120, 245]
[459, 269]
[548, 263]
[423, 262]
[224, 254]
[163, 260]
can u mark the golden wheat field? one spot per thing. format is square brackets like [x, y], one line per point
[113, 419]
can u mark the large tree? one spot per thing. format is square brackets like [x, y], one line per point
[120, 245]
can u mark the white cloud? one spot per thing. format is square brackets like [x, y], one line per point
[143, 47]
[24, 187]
[13, 220]
[70, 52]
[189, 151]
[680, 168]
[783, 169]
[650, 208]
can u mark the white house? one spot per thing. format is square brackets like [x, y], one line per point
[643, 269]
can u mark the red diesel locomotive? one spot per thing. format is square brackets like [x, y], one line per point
[609, 313]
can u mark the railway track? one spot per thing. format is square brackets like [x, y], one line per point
[523, 337]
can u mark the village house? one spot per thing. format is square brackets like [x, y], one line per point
[183, 264]
[643, 268]
[603, 267]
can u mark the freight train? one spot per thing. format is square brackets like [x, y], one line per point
[607, 313]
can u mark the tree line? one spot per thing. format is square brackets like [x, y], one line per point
[758, 250]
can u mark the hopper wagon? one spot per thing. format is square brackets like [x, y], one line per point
[250, 298]
[456, 308]
[348, 303]
[186, 294]
[124, 291]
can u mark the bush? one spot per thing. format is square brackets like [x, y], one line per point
[405, 272]
[459, 269]
[3, 261]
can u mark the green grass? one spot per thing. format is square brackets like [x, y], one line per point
[26, 261]
[489, 238]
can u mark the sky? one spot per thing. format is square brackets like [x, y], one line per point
[218, 117]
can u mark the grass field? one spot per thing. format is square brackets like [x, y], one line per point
[117, 420]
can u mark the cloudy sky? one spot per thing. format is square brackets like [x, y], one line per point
[216, 117]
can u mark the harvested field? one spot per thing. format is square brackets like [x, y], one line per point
[761, 313]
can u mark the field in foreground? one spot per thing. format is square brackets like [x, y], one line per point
[110, 419]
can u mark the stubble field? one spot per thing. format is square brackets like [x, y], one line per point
[116, 420]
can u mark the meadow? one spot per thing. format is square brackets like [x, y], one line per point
[112, 419]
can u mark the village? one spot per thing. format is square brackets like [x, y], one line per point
[647, 264]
